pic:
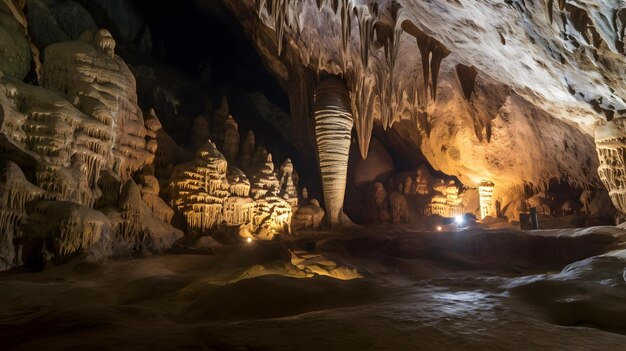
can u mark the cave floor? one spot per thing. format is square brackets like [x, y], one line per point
[475, 290]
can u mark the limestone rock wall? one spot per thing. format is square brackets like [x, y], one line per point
[71, 149]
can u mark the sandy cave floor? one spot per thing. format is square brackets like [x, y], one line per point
[473, 290]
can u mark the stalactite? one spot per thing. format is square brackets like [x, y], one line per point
[432, 53]
[467, 79]
[333, 126]
[620, 25]
[363, 99]
[384, 87]
[346, 25]
[366, 31]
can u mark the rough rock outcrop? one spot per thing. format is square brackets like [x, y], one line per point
[100, 84]
[15, 52]
[71, 149]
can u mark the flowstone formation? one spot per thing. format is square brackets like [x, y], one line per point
[210, 193]
[611, 146]
[508, 92]
[71, 148]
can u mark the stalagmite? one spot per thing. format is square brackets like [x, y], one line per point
[273, 213]
[421, 182]
[333, 127]
[287, 188]
[231, 139]
[247, 150]
[308, 216]
[259, 157]
[264, 179]
[611, 147]
[135, 226]
[199, 189]
[446, 202]
[399, 208]
[200, 132]
[485, 193]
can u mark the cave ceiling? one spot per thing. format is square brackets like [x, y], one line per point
[468, 81]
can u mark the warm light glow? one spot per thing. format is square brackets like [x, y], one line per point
[439, 228]
[249, 240]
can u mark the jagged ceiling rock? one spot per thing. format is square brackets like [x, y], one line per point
[121, 18]
[53, 21]
[508, 92]
[14, 48]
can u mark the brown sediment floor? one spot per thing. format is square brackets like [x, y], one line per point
[473, 290]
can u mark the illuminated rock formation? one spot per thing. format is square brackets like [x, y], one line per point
[68, 228]
[309, 214]
[446, 202]
[239, 208]
[611, 145]
[199, 189]
[101, 85]
[333, 127]
[485, 193]
[135, 227]
[81, 138]
[439, 206]
[66, 148]
[273, 213]
[15, 194]
[287, 188]
[149, 189]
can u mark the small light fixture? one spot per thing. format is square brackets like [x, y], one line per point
[249, 240]
[459, 220]
[439, 228]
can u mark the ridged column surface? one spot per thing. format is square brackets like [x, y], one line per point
[333, 129]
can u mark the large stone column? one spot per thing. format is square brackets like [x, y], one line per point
[333, 129]
[611, 147]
